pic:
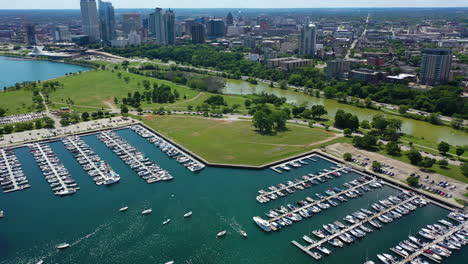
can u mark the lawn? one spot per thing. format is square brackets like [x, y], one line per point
[16, 102]
[199, 100]
[430, 146]
[98, 89]
[236, 142]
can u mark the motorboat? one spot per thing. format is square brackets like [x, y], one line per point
[123, 209]
[308, 239]
[263, 224]
[243, 233]
[146, 211]
[166, 221]
[62, 246]
[188, 214]
[2, 214]
[324, 250]
[221, 233]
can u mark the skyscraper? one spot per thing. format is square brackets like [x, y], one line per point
[169, 24]
[229, 19]
[30, 37]
[132, 22]
[197, 31]
[308, 40]
[215, 28]
[157, 27]
[61, 34]
[107, 21]
[435, 66]
[89, 20]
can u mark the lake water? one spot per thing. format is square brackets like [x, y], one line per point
[221, 199]
[16, 70]
[410, 126]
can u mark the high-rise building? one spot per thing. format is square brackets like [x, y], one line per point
[169, 24]
[337, 68]
[131, 22]
[107, 21]
[61, 34]
[157, 27]
[435, 66]
[229, 19]
[197, 31]
[30, 37]
[308, 40]
[215, 28]
[89, 20]
[134, 38]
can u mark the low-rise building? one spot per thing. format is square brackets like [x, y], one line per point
[366, 75]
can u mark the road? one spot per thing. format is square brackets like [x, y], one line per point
[348, 54]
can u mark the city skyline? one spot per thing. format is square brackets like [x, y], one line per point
[58, 4]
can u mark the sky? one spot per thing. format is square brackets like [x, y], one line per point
[74, 4]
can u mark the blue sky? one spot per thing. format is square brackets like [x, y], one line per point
[74, 4]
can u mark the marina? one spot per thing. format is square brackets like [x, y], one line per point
[101, 172]
[53, 170]
[295, 163]
[171, 151]
[12, 177]
[146, 169]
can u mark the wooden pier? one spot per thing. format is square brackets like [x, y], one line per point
[10, 173]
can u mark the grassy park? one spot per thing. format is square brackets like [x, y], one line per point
[236, 142]
[16, 102]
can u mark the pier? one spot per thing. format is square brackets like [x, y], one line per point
[432, 243]
[300, 182]
[108, 178]
[11, 175]
[307, 249]
[300, 160]
[322, 200]
[154, 176]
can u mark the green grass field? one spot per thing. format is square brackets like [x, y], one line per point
[236, 142]
[98, 89]
[16, 102]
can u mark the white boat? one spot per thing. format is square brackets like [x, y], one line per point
[146, 211]
[263, 224]
[166, 222]
[243, 233]
[40, 262]
[2, 214]
[188, 214]
[62, 246]
[222, 233]
[169, 262]
[123, 209]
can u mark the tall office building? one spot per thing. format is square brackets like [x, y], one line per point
[89, 20]
[215, 28]
[61, 34]
[229, 19]
[169, 24]
[308, 40]
[157, 27]
[131, 22]
[435, 66]
[30, 37]
[197, 31]
[337, 68]
[107, 21]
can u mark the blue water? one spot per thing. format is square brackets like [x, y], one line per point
[221, 199]
[15, 70]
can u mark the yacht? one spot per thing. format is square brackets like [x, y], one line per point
[220, 234]
[123, 209]
[324, 250]
[62, 246]
[169, 262]
[243, 233]
[308, 239]
[146, 211]
[166, 222]
[40, 262]
[188, 214]
[265, 225]
[2, 214]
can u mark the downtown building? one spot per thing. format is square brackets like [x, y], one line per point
[131, 22]
[107, 21]
[30, 36]
[197, 30]
[435, 67]
[162, 26]
[90, 21]
[308, 41]
[215, 28]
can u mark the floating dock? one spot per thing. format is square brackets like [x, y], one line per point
[12, 177]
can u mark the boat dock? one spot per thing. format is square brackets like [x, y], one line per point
[59, 180]
[322, 200]
[12, 177]
[189, 162]
[151, 173]
[309, 179]
[295, 163]
[307, 249]
[432, 243]
[105, 176]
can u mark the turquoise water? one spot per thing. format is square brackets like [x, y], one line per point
[220, 199]
[15, 70]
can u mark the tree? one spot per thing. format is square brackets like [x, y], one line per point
[443, 163]
[347, 132]
[346, 120]
[434, 119]
[376, 166]
[124, 109]
[427, 162]
[443, 147]
[365, 124]
[464, 169]
[379, 122]
[283, 84]
[414, 156]
[459, 151]
[2, 112]
[262, 122]
[318, 110]
[365, 142]
[393, 149]
[125, 63]
[38, 124]
[457, 123]
[85, 116]
[403, 109]
[347, 156]
[247, 103]
[412, 181]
